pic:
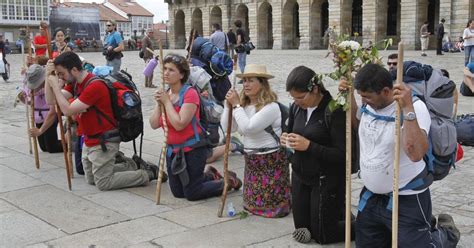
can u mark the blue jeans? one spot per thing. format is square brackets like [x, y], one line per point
[115, 63]
[242, 60]
[199, 186]
[374, 223]
[468, 55]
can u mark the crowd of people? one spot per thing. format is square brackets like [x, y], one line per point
[312, 140]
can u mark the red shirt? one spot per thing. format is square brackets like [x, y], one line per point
[40, 40]
[179, 137]
[95, 94]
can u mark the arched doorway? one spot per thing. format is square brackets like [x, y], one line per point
[242, 14]
[356, 17]
[265, 26]
[319, 22]
[197, 21]
[216, 17]
[393, 12]
[291, 25]
[179, 31]
[433, 19]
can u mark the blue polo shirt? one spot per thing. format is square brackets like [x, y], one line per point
[113, 39]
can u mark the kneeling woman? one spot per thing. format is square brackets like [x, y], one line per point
[266, 180]
[317, 181]
[186, 153]
[45, 115]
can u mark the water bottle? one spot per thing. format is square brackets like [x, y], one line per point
[230, 209]
[128, 99]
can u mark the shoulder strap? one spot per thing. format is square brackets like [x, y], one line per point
[270, 130]
[364, 110]
[183, 91]
[327, 117]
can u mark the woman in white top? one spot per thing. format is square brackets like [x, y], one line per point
[468, 37]
[266, 177]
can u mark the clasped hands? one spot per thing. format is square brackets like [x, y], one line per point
[294, 141]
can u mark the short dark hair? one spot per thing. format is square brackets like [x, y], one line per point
[426, 22]
[181, 63]
[238, 23]
[216, 26]
[469, 22]
[68, 60]
[443, 20]
[303, 79]
[373, 78]
[393, 56]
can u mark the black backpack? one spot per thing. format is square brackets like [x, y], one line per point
[284, 112]
[126, 106]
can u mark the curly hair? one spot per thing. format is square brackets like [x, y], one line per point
[265, 96]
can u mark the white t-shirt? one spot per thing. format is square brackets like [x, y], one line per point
[377, 148]
[468, 32]
[309, 112]
[251, 125]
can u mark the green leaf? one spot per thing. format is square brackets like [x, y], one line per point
[242, 215]
[333, 105]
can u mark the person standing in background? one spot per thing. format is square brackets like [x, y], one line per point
[468, 36]
[424, 38]
[147, 55]
[232, 41]
[113, 47]
[439, 37]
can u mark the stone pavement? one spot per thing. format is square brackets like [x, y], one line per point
[37, 209]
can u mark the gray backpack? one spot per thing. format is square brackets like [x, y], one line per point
[437, 93]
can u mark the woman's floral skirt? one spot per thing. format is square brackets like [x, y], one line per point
[267, 184]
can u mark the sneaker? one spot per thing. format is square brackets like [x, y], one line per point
[152, 86]
[150, 168]
[238, 146]
[213, 173]
[424, 54]
[302, 235]
[234, 181]
[446, 221]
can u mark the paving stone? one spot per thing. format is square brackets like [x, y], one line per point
[25, 163]
[121, 234]
[5, 152]
[145, 245]
[287, 241]
[6, 207]
[12, 180]
[231, 233]
[62, 209]
[127, 203]
[20, 228]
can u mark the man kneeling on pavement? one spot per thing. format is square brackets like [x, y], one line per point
[106, 167]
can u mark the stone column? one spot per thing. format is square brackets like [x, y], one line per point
[304, 9]
[277, 24]
[413, 14]
[461, 12]
[335, 18]
[206, 13]
[171, 28]
[374, 20]
[253, 12]
[188, 23]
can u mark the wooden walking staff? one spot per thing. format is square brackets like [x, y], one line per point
[25, 40]
[165, 128]
[348, 213]
[44, 26]
[227, 147]
[69, 145]
[396, 165]
[191, 45]
[32, 121]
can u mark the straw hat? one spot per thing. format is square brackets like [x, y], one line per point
[253, 70]
[35, 76]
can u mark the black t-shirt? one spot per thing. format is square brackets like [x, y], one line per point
[231, 37]
[242, 34]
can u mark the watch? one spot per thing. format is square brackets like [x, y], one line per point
[236, 106]
[410, 116]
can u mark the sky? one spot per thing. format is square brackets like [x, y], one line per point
[158, 7]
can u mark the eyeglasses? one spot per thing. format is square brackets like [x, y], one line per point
[298, 98]
[174, 58]
[392, 63]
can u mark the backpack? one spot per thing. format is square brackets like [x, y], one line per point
[284, 112]
[126, 106]
[208, 121]
[465, 129]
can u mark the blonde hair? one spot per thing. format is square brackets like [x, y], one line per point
[265, 96]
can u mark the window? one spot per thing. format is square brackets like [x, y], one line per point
[11, 12]
[392, 13]
[4, 12]
[26, 13]
[32, 13]
[357, 17]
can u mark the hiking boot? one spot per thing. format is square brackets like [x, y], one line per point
[152, 86]
[447, 222]
[213, 173]
[234, 181]
[302, 235]
[149, 167]
[237, 146]
[119, 158]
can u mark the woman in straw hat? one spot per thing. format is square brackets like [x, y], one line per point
[266, 177]
[317, 136]
[45, 115]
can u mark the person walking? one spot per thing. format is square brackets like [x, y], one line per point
[241, 40]
[256, 116]
[439, 37]
[424, 38]
[219, 38]
[232, 41]
[113, 46]
[468, 36]
[147, 42]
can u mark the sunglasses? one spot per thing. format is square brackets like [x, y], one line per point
[174, 58]
[392, 63]
[109, 25]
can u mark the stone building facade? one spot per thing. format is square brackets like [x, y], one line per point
[301, 24]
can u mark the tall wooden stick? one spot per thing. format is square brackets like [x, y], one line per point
[348, 214]
[165, 128]
[191, 45]
[227, 147]
[32, 121]
[69, 146]
[44, 26]
[396, 165]
[27, 39]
